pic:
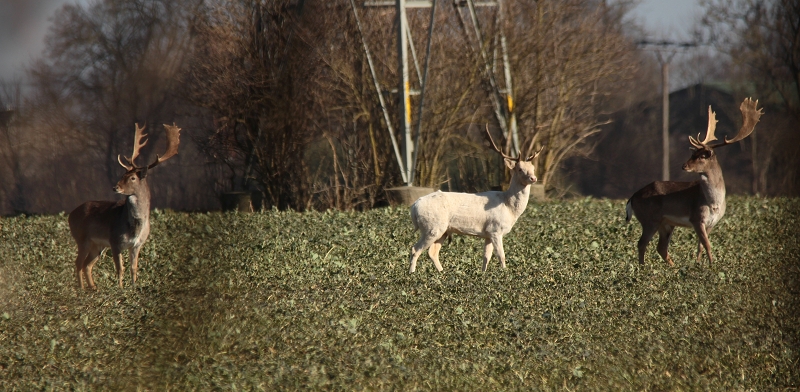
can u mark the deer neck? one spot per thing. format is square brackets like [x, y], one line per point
[516, 196]
[138, 205]
[713, 186]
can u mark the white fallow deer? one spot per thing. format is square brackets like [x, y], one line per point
[662, 205]
[488, 215]
[119, 225]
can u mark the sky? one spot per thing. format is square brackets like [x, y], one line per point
[24, 24]
[668, 19]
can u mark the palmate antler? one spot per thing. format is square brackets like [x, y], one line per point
[173, 140]
[137, 144]
[519, 155]
[712, 127]
[750, 117]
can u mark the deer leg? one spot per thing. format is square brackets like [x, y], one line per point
[133, 258]
[487, 253]
[433, 252]
[699, 249]
[83, 251]
[426, 239]
[647, 234]
[89, 262]
[702, 237]
[497, 242]
[664, 235]
[117, 255]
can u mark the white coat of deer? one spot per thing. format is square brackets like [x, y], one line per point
[488, 215]
[662, 205]
[119, 225]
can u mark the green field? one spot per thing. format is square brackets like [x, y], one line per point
[285, 300]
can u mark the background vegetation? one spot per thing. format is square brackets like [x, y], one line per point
[323, 300]
[276, 97]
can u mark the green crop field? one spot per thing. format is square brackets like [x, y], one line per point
[285, 300]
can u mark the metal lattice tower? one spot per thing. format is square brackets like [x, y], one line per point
[406, 151]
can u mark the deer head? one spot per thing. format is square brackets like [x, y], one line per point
[134, 175]
[523, 169]
[704, 157]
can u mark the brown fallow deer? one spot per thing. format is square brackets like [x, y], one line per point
[662, 205]
[119, 225]
[488, 215]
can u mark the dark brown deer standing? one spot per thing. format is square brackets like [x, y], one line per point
[662, 205]
[119, 225]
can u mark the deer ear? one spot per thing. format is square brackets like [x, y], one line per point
[510, 163]
[143, 173]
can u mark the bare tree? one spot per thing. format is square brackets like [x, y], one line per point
[564, 57]
[106, 65]
[567, 67]
[253, 74]
[114, 62]
[12, 179]
[458, 100]
[283, 100]
[761, 41]
[760, 47]
[351, 161]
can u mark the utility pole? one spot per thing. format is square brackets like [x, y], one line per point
[664, 57]
[664, 118]
[403, 89]
[406, 153]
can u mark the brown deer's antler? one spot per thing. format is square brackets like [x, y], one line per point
[137, 144]
[173, 140]
[712, 127]
[750, 117]
[495, 146]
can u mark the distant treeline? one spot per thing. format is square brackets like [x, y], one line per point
[278, 98]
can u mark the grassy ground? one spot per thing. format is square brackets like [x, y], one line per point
[282, 300]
